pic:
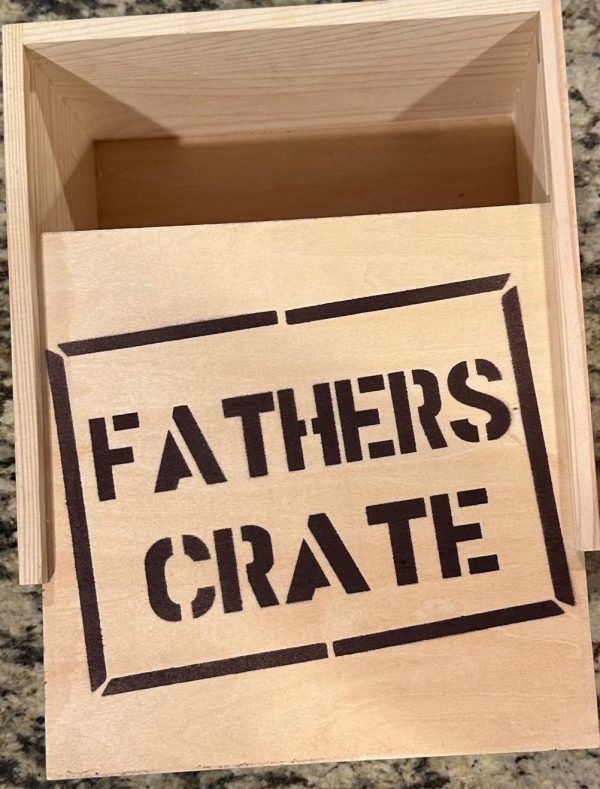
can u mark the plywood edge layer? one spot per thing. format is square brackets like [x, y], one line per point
[24, 309]
[59, 772]
[534, 209]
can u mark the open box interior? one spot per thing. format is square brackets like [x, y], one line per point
[244, 125]
[334, 110]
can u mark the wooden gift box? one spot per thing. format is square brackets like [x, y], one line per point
[452, 112]
[281, 114]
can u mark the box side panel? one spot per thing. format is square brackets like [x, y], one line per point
[24, 317]
[343, 172]
[61, 160]
[40, 34]
[531, 132]
[568, 280]
[239, 81]
[50, 186]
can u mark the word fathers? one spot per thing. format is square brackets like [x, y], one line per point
[413, 400]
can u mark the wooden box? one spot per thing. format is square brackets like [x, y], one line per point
[343, 142]
[282, 114]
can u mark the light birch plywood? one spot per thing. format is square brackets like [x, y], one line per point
[468, 641]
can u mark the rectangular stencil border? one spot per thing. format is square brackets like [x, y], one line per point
[536, 450]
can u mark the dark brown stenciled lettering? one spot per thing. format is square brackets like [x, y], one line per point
[323, 425]
[198, 552]
[173, 466]
[352, 419]
[156, 581]
[498, 411]
[292, 428]
[308, 573]
[249, 409]
[106, 457]
[261, 564]
[408, 406]
[322, 559]
[398, 515]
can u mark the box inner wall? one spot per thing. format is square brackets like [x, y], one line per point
[412, 115]
[335, 172]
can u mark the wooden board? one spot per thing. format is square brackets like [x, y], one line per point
[310, 495]
[339, 172]
[289, 69]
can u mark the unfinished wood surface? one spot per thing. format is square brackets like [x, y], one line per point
[344, 172]
[472, 639]
[328, 65]
[25, 324]
[531, 131]
[61, 161]
[289, 78]
[568, 280]
[38, 34]
[50, 186]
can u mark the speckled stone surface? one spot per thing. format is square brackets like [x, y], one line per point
[21, 675]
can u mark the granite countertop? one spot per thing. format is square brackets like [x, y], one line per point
[21, 674]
